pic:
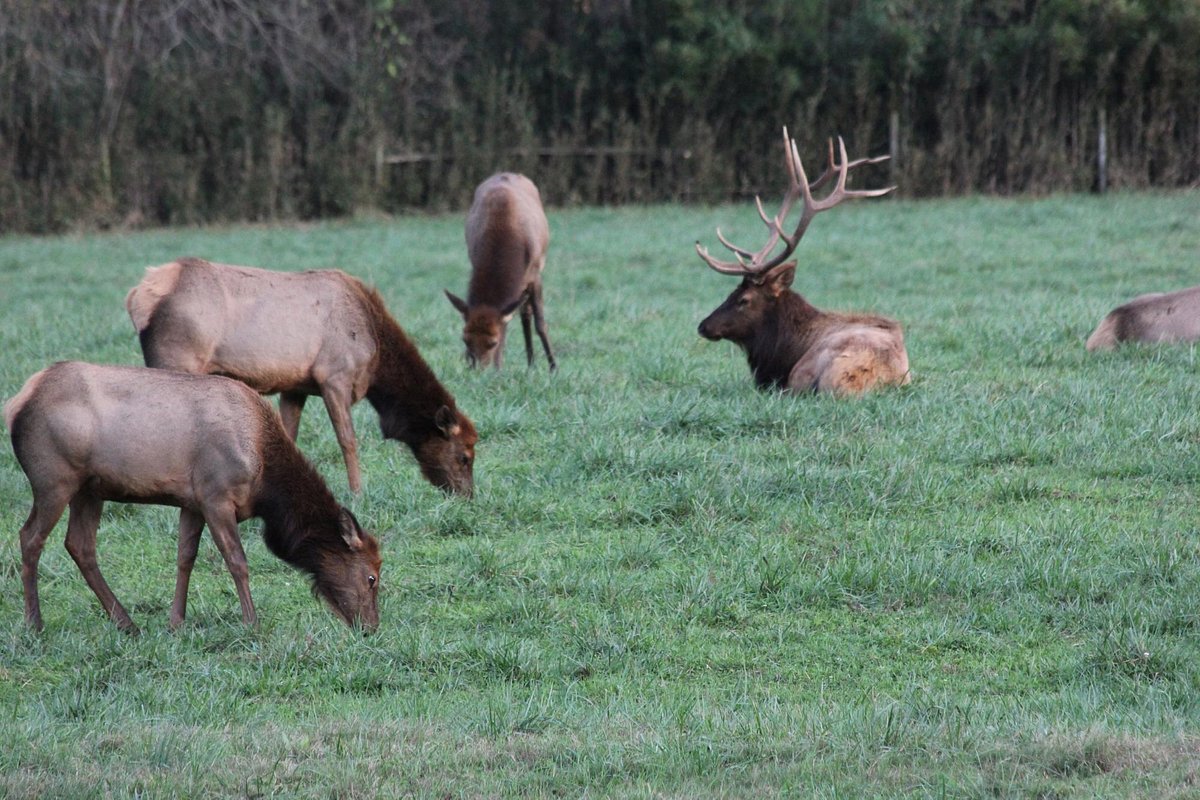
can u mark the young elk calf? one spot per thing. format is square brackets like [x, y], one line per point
[789, 343]
[303, 333]
[84, 434]
[507, 237]
[1158, 317]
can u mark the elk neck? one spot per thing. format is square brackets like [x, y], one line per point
[787, 331]
[300, 515]
[403, 391]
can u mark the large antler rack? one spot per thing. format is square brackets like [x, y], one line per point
[754, 263]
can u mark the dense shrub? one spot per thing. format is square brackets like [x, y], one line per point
[129, 111]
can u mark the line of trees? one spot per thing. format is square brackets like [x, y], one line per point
[147, 112]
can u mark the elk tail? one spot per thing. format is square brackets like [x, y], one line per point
[145, 297]
[19, 400]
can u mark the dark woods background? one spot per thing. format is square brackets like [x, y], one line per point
[127, 112]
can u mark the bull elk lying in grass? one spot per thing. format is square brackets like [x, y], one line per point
[789, 343]
[507, 237]
[1156, 317]
[85, 434]
[304, 333]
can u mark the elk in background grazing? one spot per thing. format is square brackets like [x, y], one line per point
[507, 236]
[1156, 317]
[789, 343]
[303, 333]
[84, 434]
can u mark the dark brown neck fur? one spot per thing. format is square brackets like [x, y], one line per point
[300, 515]
[404, 391]
[787, 331]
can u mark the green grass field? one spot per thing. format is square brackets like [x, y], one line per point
[669, 584]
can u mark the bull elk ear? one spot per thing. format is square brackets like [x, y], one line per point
[456, 301]
[507, 312]
[350, 529]
[778, 279]
[447, 422]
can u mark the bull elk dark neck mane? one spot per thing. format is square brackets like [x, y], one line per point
[771, 352]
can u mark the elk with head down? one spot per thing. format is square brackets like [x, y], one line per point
[507, 237]
[303, 333]
[790, 343]
[1156, 317]
[85, 434]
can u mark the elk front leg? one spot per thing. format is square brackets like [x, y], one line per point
[42, 518]
[190, 526]
[222, 524]
[539, 322]
[81, 544]
[291, 405]
[337, 403]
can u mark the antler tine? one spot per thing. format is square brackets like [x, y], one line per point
[739, 251]
[832, 169]
[754, 263]
[724, 267]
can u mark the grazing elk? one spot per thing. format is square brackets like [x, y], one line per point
[303, 333]
[1156, 317]
[507, 236]
[85, 434]
[789, 343]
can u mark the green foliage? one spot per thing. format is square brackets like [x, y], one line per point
[669, 583]
[123, 114]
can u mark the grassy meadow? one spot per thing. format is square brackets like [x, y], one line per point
[669, 584]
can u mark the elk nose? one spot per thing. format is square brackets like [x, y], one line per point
[706, 331]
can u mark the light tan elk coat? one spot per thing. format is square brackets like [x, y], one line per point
[85, 434]
[507, 238]
[1157, 317]
[319, 332]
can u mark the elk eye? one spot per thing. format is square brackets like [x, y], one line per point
[465, 460]
[743, 301]
[371, 579]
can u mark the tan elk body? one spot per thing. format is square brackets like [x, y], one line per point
[507, 238]
[320, 332]
[85, 434]
[1155, 317]
[789, 343]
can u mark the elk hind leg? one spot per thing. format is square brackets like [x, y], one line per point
[81, 544]
[526, 322]
[42, 518]
[539, 322]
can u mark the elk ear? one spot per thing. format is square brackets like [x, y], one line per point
[507, 312]
[779, 278]
[350, 529]
[447, 422]
[456, 301]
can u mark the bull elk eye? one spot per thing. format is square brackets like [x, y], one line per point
[743, 301]
[371, 579]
